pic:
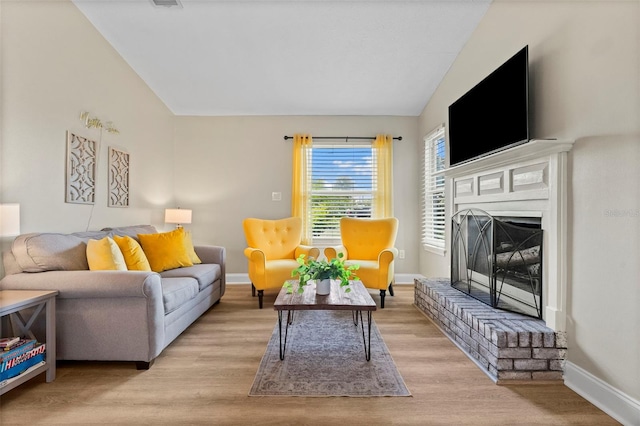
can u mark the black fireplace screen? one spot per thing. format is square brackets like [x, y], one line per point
[498, 260]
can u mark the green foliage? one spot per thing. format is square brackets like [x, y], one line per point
[312, 269]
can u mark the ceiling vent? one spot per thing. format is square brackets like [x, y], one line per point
[166, 3]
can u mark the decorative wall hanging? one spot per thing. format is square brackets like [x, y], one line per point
[81, 170]
[96, 123]
[118, 178]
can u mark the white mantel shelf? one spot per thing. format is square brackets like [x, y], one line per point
[535, 148]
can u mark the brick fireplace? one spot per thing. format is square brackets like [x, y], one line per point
[528, 181]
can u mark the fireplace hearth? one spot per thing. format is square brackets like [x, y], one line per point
[498, 260]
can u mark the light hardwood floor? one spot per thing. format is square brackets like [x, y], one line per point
[205, 375]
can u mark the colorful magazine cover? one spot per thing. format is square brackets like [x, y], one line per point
[16, 365]
[21, 367]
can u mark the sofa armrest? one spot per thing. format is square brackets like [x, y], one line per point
[332, 252]
[308, 251]
[215, 255]
[102, 315]
[387, 256]
[88, 284]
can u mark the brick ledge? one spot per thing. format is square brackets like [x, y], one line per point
[507, 346]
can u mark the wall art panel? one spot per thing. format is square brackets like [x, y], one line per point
[81, 170]
[118, 178]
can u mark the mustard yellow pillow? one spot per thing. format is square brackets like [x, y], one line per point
[165, 250]
[133, 254]
[104, 255]
[188, 244]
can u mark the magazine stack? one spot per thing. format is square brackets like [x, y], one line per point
[18, 355]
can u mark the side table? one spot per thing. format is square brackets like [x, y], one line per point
[12, 302]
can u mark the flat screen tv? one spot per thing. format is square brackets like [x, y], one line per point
[493, 115]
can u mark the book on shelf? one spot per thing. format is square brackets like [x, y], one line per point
[17, 364]
[7, 342]
[15, 346]
[23, 346]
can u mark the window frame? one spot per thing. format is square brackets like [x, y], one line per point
[433, 236]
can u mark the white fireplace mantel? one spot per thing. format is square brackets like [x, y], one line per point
[525, 180]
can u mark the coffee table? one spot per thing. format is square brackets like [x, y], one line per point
[357, 301]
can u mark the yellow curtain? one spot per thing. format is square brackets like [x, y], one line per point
[300, 203]
[383, 201]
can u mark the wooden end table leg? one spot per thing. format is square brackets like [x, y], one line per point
[51, 339]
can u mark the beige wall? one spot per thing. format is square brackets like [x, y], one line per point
[55, 65]
[227, 168]
[585, 86]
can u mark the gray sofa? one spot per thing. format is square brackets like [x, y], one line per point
[113, 315]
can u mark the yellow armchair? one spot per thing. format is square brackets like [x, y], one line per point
[274, 246]
[369, 243]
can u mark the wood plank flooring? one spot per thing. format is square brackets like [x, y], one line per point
[205, 375]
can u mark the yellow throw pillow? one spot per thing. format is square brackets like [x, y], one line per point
[104, 255]
[165, 250]
[188, 243]
[133, 254]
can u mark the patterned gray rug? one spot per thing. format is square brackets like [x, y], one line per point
[325, 357]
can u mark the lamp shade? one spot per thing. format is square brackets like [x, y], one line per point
[178, 216]
[9, 220]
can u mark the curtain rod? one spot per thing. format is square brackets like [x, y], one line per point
[398, 138]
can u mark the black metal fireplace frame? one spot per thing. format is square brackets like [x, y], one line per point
[498, 272]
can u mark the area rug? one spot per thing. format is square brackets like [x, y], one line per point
[325, 357]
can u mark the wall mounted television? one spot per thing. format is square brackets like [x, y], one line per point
[494, 114]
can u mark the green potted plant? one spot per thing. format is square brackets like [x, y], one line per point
[323, 271]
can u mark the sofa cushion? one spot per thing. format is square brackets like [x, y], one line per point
[53, 252]
[105, 255]
[133, 254]
[166, 250]
[177, 291]
[205, 274]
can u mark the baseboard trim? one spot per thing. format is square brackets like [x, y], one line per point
[612, 401]
[243, 278]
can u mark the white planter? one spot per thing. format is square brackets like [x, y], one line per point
[323, 287]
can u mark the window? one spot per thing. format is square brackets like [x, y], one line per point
[433, 208]
[343, 183]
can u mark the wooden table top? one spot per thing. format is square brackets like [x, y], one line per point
[10, 300]
[357, 299]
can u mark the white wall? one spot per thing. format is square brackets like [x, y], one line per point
[227, 168]
[55, 65]
[585, 86]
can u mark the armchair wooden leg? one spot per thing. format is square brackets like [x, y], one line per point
[253, 290]
[391, 289]
[260, 294]
[382, 294]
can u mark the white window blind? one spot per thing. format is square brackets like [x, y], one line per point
[433, 208]
[342, 179]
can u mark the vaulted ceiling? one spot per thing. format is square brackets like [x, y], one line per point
[264, 57]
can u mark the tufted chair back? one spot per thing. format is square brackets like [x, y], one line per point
[273, 248]
[366, 238]
[278, 239]
[369, 243]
